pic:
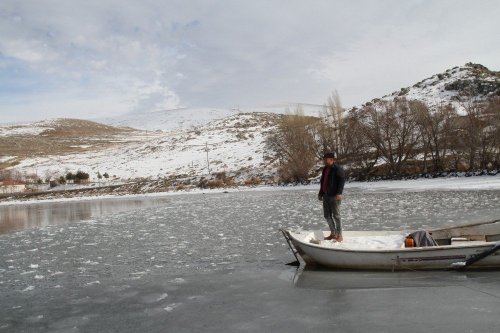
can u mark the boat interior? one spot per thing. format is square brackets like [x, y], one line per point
[463, 234]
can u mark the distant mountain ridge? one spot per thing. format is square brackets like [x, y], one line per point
[186, 118]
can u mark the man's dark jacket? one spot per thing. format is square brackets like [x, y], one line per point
[336, 181]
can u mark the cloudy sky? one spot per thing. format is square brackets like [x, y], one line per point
[94, 58]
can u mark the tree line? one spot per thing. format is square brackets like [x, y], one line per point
[78, 177]
[390, 139]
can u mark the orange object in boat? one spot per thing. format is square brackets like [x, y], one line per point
[409, 242]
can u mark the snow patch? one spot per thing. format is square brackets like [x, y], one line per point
[93, 283]
[171, 307]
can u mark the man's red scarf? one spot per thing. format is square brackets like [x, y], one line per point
[325, 179]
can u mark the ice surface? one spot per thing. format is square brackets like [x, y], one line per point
[215, 261]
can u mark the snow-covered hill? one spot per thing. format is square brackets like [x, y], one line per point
[454, 87]
[190, 142]
[234, 145]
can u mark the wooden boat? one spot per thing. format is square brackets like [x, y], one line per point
[472, 246]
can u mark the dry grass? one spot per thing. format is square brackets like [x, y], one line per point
[252, 181]
[66, 136]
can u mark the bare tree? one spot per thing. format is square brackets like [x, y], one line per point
[361, 154]
[425, 126]
[324, 135]
[437, 129]
[333, 133]
[392, 130]
[294, 145]
[493, 110]
[477, 138]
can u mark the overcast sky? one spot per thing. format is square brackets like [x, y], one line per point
[94, 58]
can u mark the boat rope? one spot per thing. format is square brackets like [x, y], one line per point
[290, 245]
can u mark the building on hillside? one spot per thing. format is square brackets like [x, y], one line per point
[11, 186]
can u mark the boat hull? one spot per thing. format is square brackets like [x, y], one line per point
[419, 258]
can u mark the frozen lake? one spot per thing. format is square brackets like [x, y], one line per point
[215, 262]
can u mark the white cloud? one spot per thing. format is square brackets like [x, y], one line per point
[85, 50]
[392, 55]
[156, 54]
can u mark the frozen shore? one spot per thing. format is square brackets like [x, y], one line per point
[444, 183]
[422, 184]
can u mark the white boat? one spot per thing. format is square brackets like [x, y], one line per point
[472, 246]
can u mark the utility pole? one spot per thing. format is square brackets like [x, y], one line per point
[98, 176]
[208, 162]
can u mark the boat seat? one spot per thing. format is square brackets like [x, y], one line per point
[464, 240]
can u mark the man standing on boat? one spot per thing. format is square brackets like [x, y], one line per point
[330, 192]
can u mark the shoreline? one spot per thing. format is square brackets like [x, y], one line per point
[484, 182]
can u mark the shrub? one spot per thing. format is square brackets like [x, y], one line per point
[81, 177]
[252, 181]
[220, 175]
[215, 183]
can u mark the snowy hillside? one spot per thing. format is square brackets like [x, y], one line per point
[235, 144]
[448, 87]
[187, 118]
[313, 110]
[37, 128]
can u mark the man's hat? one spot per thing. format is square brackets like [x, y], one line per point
[329, 155]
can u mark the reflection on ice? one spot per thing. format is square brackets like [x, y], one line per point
[318, 279]
[20, 216]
